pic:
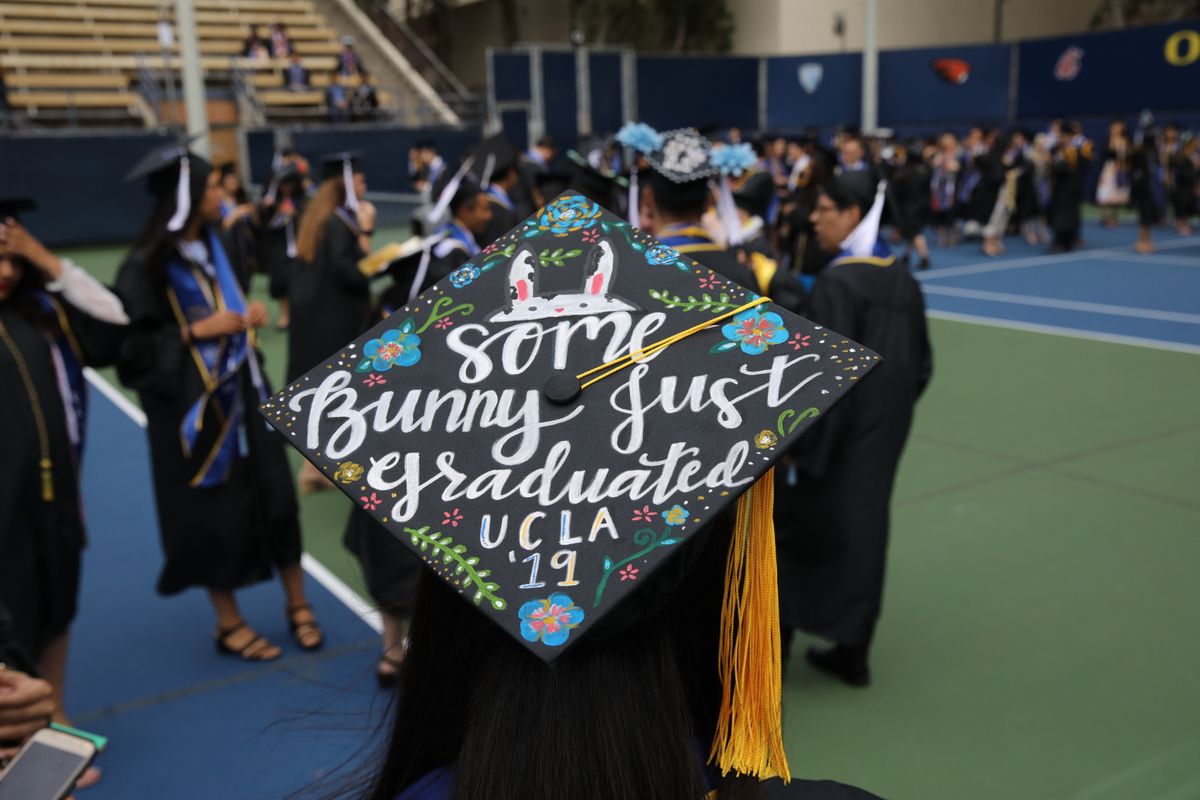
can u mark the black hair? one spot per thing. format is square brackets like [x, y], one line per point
[681, 200]
[546, 141]
[154, 240]
[627, 714]
[24, 297]
[844, 197]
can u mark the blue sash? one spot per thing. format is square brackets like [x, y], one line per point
[500, 197]
[881, 252]
[219, 360]
[687, 238]
[454, 237]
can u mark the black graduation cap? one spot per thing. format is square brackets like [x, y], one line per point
[493, 156]
[755, 193]
[503, 432]
[14, 206]
[172, 170]
[334, 164]
[860, 185]
[592, 175]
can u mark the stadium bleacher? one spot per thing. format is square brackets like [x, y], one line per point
[80, 59]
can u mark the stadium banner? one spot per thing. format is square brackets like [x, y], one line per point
[813, 91]
[944, 84]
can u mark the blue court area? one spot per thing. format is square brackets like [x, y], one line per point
[1103, 290]
[183, 721]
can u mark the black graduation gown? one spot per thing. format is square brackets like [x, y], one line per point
[1183, 186]
[1145, 188]
[391, 569]
[1067, 172]
[912, 199]
[220, 537]
[832, 501]
[330, 298]
[273, 256]
[41, 541]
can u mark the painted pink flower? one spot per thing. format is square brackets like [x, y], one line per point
[591, 236]
[370, 502]
[644, 514]
[374, 380]
[709, 282]
[628, 572]
[443, 323]
[799, 341]
[452, 517]
[491, 248]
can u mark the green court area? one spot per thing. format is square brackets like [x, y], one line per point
[1039, 633]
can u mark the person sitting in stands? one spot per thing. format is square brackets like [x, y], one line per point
[337, 98]
[295, 76]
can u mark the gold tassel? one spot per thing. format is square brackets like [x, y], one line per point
[749, 736]
[47, 480]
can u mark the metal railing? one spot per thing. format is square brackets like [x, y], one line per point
[466, 104]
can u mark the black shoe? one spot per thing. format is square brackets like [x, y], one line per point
[847, 664]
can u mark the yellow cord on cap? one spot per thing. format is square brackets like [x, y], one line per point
[749, 735]
[624, 361]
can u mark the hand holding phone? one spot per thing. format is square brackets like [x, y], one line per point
[46, 767]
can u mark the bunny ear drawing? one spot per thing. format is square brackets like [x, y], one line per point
[601, 264]
[522, 277]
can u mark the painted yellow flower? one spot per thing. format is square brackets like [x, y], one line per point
[765, 439]
[348, 472]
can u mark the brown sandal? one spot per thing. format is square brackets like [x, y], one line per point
[299, 629]
[252, 651]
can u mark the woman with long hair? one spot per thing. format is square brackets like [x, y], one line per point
[1112, 188]
[55, 319]
[329, 296]
[281, 209]
[226, 506]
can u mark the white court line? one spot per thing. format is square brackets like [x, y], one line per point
[1073, 333]
[319, 572]
[1068, 305]
[1051, 258]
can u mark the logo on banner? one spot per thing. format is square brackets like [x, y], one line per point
[1069, 64]
[1182, 48]
[953, 71]
[810, 74]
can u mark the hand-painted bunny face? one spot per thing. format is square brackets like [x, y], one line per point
[525, 304]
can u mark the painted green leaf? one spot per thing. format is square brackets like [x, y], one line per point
[363, 366]
[607, 563]
[722, 347]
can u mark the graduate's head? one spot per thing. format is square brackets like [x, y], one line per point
[841, 205]
[13, 267]
[469, 205]
[187, 195]
[671, 201]
[12, 271]
[852, 150]
[231, 182]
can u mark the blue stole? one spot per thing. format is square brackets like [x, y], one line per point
[500, 197]
[687, 237]
[219, 361]
[454, 237]
[535, 157]
[71, 359]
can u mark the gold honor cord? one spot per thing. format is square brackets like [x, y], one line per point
[46, 465]
[618, 364]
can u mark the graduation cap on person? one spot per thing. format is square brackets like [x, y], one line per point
[343, 165]
[493, 156]
[860, 187]
[547, 452]
[173, 170]
[592, 174]
[13, 207]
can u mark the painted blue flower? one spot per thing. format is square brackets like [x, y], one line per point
[754, 331]
[733, 159]
[661, 254]
[640, 137]
[569, 214]
[675, 515]
[395, 348]
[464, 275]
[551, 620]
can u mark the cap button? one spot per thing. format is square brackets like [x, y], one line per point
[562, 388]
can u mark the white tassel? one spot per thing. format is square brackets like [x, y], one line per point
[183, 197]
[861, 241]
[439, 210]
[422, 270]
[348, 182]
[635, 216]
[797, 169]
[290, 236]
[488, 166]
[727, 211]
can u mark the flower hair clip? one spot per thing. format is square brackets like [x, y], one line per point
[640, 137]
[732, 159]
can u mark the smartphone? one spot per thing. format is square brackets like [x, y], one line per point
[46, 767]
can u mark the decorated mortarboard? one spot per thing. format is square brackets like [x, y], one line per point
[15, 206]
[546, 427]
[168, 169]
